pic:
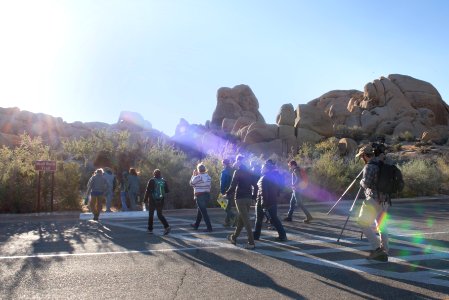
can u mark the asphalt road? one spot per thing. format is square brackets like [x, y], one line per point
[61, 256]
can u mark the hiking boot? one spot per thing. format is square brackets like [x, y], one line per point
[281, 239]
[307, 220]
[379, 254]
[194, 226]
[96, 217]
[208, 230]
[288, 219]
[249, 246]
[231, 239]
[150, 231]
[167, 230]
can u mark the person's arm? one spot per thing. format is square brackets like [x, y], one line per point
[89, 187]
[234, 182]
[147, 192]
[166, 186]
[369, 173]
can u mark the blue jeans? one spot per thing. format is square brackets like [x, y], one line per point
[123, 199]
[296, 200]
[201, 201]
[273, 213]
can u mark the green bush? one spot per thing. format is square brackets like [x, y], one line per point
[421, 178]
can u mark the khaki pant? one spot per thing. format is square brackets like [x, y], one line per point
[374, 213]
[96, 204]
[243, 208]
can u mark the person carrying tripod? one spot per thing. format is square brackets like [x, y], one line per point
[374, 207]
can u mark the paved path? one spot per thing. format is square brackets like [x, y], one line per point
[418, 265]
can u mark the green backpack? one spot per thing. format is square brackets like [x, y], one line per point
[159, 189]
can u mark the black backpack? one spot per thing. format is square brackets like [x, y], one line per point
[390, 179]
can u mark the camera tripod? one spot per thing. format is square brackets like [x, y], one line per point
[352, 206]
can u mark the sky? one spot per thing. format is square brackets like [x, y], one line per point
[88, 60]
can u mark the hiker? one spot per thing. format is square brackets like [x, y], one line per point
[268, 191]
[243, 188]
[97, 188]
[201, 183]
[133, 188]
[374, 208]
[225, 181]
[110, 177]
[154, 197]
[298, 182]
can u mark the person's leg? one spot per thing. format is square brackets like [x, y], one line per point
[205, 199]
[292, 207]
[94, 206]
[229, 214]
[239, 222]
[381, 222]
[367, 216]
[123, 200]
[132, 200]
[108, 201]
[272, 211]
[198, 213]
[300, 203]
[151, 208]
[259, 218]
[244, 206]
[159, 206]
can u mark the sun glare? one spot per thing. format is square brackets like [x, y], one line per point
[32, 34]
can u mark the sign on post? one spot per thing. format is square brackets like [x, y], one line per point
[45, 166]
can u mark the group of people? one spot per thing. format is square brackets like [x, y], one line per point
[242, 185]
[103, 183]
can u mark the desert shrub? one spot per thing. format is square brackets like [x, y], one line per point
[421, 178]
[17, 174]
[333, 173]
[355, 132]
[442, 165]
[67, 193]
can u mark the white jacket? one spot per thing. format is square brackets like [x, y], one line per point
[201, 183]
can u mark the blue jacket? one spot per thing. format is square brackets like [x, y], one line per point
[225, 179]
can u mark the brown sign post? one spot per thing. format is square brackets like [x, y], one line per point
[45, 166]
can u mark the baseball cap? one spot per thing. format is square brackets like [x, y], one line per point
[366, 149]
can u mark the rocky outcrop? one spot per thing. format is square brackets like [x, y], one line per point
[234, 103]
[396, 105]
[52, 130]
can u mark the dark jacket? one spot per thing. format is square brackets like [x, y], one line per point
[268, 189]
[242, 184]
[150, 188]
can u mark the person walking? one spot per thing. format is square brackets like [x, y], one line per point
[225, 182]
[155, 196]
[268, 191]
[298, 182]
[201, 183]
[110, 177]
[374, 207]
[97, 187]
[243, 188]
[133, 188]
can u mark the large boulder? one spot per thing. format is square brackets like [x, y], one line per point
[421, 94]
[304, 135]
[236, 102]
[286, 115]
[313, 118]
[259, 134]
[347, 146]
